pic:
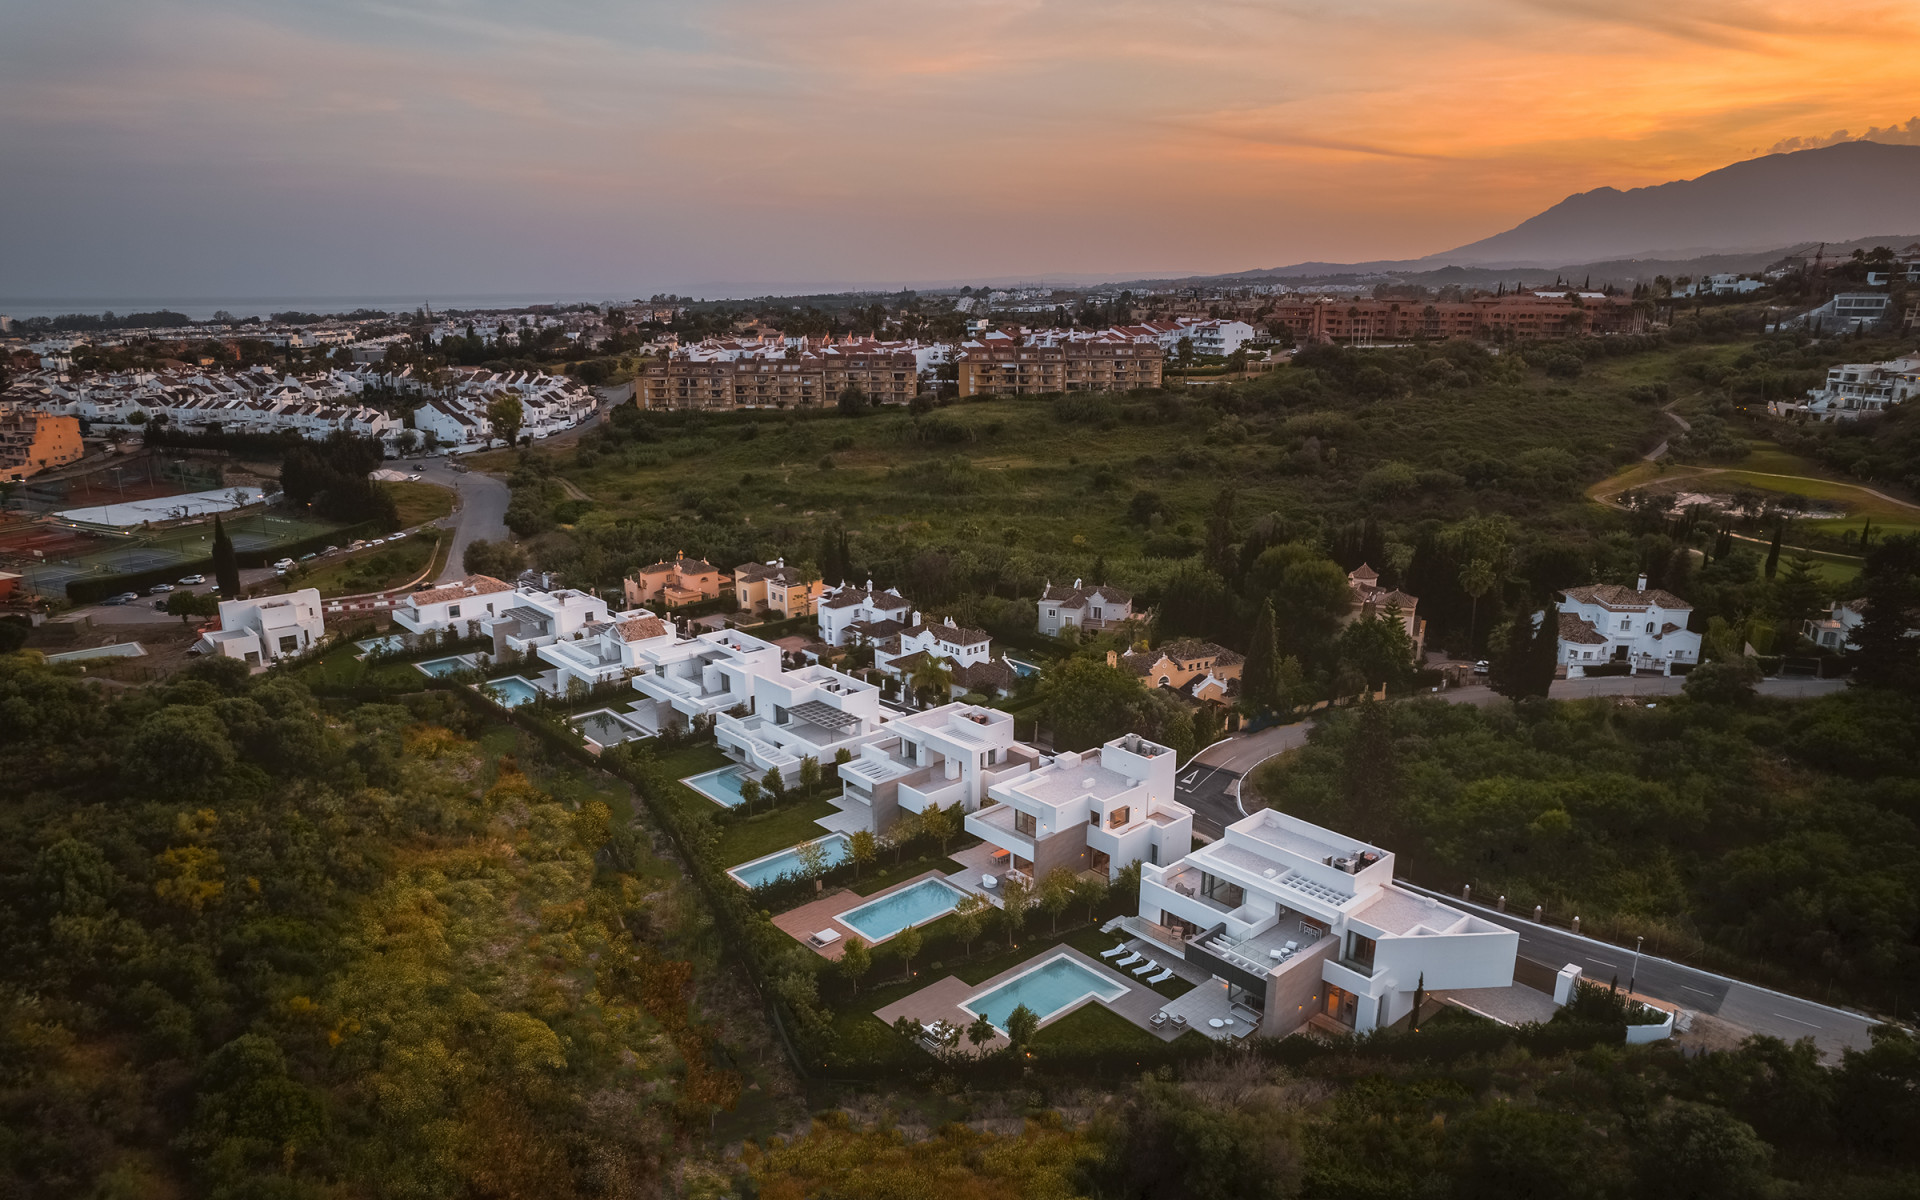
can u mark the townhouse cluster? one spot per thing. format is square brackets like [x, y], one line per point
[775, 371]
[1854, 390]
[447, 413]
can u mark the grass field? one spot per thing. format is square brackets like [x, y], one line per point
[419, 503]
[744, 841]
[387, 566]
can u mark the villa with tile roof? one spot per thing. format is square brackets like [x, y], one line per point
[861, 614]
[1194, 668]
[1088, 608]
[1301, 922]
[681, 581]
[1644, 628]
[957, 645]
[460, 606]
[1368, 599]
[776, 588]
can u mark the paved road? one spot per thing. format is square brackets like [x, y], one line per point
[1660, 451]
[1754, 1008]
[480, 509]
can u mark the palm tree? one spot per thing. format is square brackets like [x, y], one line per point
[931, 677]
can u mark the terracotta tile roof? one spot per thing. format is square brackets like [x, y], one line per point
[639, 629]
[1074, 597]
[472, 585]
[957, 634]
[1621, 598]
[1575, 628]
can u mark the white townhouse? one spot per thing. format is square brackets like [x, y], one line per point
[271, 627]
[813, 712]
[954, 644]
[529, 617]
[1853, 389]
[941, 757]
[702, 677]
[450, 426]
[1086, 812]
[1645, 628]
[1300, 921]
[462, 606]
[1090, 608]
[849, 613]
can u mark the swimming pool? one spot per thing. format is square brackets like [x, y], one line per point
[513, 691]
[1048, 989]
[440, 668]
[787, 862]
[722, 786]
[604, 728]
[878, 920]
[383, 645]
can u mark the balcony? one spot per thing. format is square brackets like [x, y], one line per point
[995, 824]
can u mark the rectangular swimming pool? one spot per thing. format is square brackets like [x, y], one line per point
[1050, 988]
[787, 862]
[512, 692]
[722, 786]
[440, 668]
[878, 920]
[383, 645]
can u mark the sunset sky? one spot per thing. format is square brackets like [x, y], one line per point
[221, 148]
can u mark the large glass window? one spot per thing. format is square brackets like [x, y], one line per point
[1222, 891]
[1023, 822]
[1121, 816]
[1360, 951]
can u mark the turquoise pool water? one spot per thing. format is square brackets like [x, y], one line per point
[605, 729]
[439, 668]
[877, 920]
[513, 691]
[1046, 990]
[383, 645]
[722, 786]
[787, 862]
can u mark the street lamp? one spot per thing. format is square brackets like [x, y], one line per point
[1634, 974]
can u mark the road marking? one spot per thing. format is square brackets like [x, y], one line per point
[1697, 991]
[1796, 1020]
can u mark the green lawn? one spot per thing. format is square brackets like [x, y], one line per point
[884, 874]
[1094, 1027]
[373, 570]
[746, 840]
[418, 503]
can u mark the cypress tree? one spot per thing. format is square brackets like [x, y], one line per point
[226, 569]
[1543, 657]
[1773, 553]
[1260, 675]
[1509, 672]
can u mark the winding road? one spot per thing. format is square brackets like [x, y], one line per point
[479, 510]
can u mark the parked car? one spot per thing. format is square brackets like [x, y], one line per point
[192, 580]
[356, 543]
[161, 605]
[1482, 667]
[394, 537]
[122, 598]
[414, 478]
[159, 589]
[331, 550]
[377, 542]
[305, 557]
[285, 562]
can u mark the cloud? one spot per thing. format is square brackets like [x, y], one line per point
[1893, 135]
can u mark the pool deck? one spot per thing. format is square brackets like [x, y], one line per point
[941, 1001]
[810, 918]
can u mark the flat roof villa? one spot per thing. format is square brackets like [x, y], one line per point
[1087, 811]
[810, 713]
[704, 676]
[529, 618]
[941, 756]
[1296, 921]
[607, 651]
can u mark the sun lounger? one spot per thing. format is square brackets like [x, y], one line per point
[1149, 966]
[1129, 960]
[1121, 949]
[1165, 974]
[826, 937]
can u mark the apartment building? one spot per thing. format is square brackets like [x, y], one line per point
[459, 607]
[938, 758]
[259, 631]
[1089, 608]
[1042, 364]
[1095, 811]
[1643, 627]
[849, 614]
[814, 712]
[444, 424]
[1300, 921]
[776, 588]
[725, 375]
[681, 581]
[31, 442]
[1528, 316]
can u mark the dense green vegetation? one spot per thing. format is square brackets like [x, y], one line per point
[258, 947]
[1779, 839]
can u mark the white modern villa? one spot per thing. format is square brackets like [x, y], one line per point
[1299, 921]
[1092, 811]
[259, 631]
[702, 677]
[455, 605]
[813, 712]
[943, 756]
[607, 651]
[1643, 627]
[529, 618]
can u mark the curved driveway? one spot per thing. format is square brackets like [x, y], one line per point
[479, 509]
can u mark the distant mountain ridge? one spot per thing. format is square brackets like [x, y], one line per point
[1836, 193]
